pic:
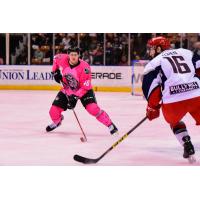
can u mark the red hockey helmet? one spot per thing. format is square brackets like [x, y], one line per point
[159, 41]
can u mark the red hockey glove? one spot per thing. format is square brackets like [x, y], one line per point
[152, 113]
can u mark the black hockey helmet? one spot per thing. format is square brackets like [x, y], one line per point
[73, 49]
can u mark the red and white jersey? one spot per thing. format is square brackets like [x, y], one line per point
[174, 72]
[77, 78]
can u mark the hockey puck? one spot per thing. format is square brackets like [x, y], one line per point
[82, 139]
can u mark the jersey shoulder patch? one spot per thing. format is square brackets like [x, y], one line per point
[86, 67]
[87, 70]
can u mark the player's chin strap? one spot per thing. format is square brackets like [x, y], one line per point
[84, 138]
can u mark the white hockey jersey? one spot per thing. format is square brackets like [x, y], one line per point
[174, 71]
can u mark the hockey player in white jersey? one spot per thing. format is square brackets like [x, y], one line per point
[171, 82]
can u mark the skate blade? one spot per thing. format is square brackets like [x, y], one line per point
[191, 159]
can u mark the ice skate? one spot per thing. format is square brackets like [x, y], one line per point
[53, 126]
[188, 150]
[113, 129]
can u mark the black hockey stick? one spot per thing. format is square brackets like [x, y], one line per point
[93, 161]
[84, 138]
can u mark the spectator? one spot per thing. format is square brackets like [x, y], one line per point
[18, 49]
[41, 39]
[1, 61]
[37, 39]
[47, 41]
[117, 51]
[100, 37]
[109, 54]
[109, 37]
[86, 57]
[22, 59]
[66, 42]
[2, 48]
[196, 55]
[48, 57]
[92, 44]
[73, 39]
[42, 48]
[198, 37]
[58, 38]
[85, 41]
[116, 46]
[123, 61]
[98, 55]
[38, 54]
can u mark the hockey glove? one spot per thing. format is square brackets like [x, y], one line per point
[152, 113]
[57, 76]
[72, 100]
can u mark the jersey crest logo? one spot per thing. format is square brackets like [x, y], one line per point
[72, 82]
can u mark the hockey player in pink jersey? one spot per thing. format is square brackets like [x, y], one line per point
[76, 78]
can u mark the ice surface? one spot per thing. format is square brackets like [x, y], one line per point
[23, 140]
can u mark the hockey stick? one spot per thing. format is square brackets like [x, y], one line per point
[85, 160]
[84, 138]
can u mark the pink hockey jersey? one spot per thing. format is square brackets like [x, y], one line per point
[77, 79]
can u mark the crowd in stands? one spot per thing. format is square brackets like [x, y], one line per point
[96, 48]
[41, 48]
[92, 47]
[116, 49]
[18, 49]
[2, 49]
[65, 40]
[177, 40]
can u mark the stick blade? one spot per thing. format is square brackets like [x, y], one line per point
[85, 160]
